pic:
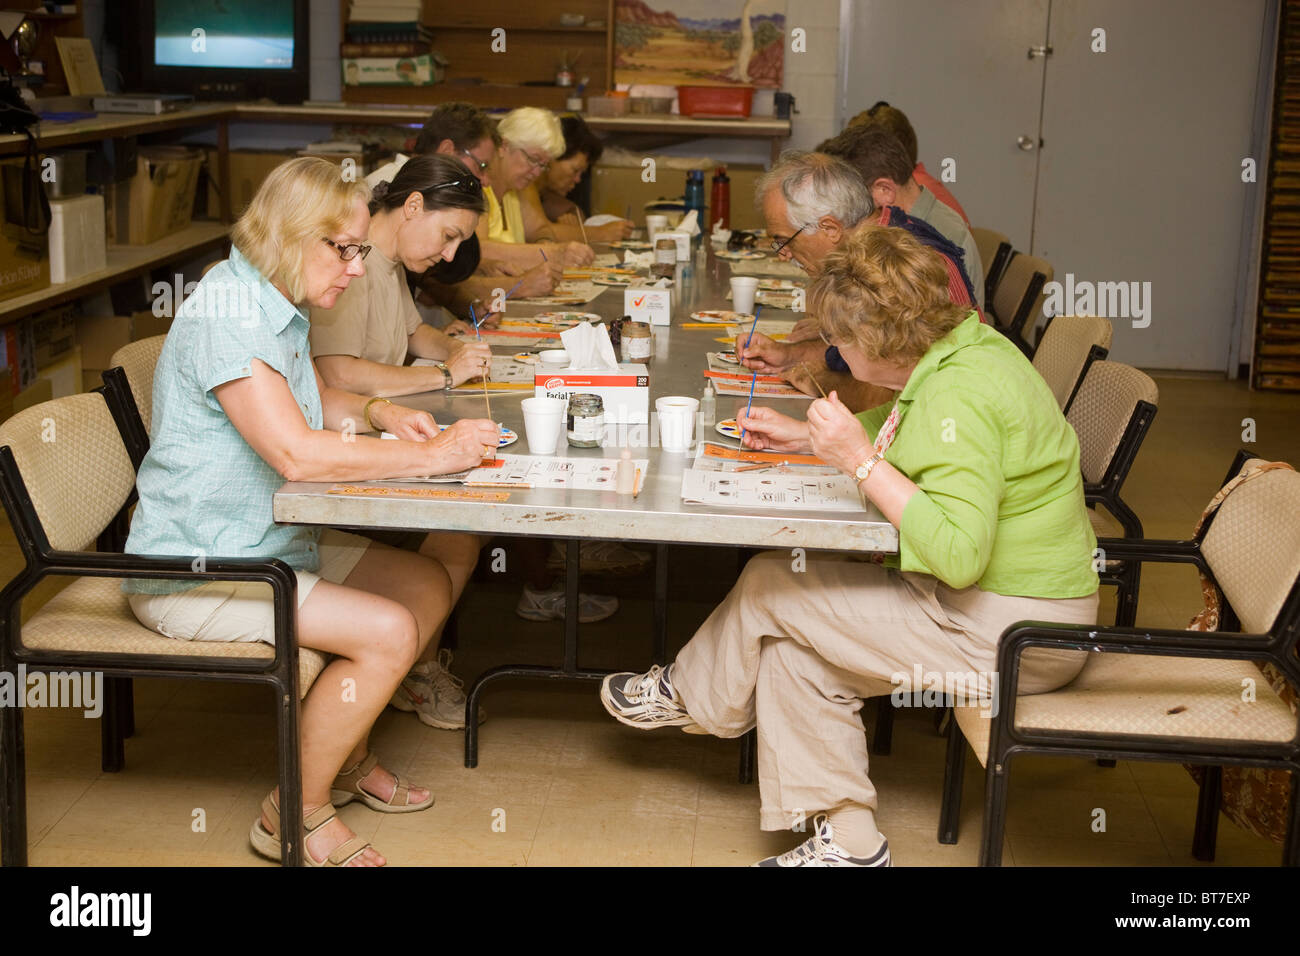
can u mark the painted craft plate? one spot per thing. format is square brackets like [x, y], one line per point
[741, 254]
[508, 437]
[637, 245]
[728, 427]
[567, 318]
[722, 317]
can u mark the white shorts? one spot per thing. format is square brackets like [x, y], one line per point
[242, 610]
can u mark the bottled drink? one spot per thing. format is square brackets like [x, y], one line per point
[720, 201]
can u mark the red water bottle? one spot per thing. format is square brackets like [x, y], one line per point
[720, 200]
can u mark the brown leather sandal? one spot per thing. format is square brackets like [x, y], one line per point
[347, 787]
[268, 844]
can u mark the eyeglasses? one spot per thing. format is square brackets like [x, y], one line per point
[538, 164]
[469, 184]
[476, 161]
[777, 246]
[349, 252]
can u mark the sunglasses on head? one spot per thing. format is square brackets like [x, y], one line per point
[469, 184]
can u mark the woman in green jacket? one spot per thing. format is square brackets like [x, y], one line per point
[976, 467]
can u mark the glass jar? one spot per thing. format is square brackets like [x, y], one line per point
[665, 258]
[586, 425]
[636, 342]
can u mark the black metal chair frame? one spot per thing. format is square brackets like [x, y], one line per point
[1095, 354]
[993, 274]
[279, 672]
[1277, 646]
[1013, 326]
[1127, 578]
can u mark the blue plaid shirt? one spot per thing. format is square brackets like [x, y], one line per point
[203, 489]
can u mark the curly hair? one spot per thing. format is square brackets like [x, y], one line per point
[893, 119]
[884, 292]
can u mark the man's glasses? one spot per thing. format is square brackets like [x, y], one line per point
[349, 252]
[474, 160]
[778, 245]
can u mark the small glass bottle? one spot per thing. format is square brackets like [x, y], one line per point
[586, 425]
[637, 342]
[708, 406]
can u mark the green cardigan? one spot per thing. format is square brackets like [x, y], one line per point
[1000, 503]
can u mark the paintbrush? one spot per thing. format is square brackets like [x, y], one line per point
[486, 401]
[753, 381]
[813, 375]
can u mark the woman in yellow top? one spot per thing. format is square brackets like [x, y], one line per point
[548, 193]
[361, 343]
[976, 467]
[514, 235]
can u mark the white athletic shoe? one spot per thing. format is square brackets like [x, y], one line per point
[820, 849]
[549, 606]
[434, 694]
[646, 701]
[602, 557]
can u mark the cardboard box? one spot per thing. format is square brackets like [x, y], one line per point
[652, 306]
[99, 336]
[159, 200]
[619, 191]
[248, 169]
[42, 390]
[625, 392]
[64, 375]
[424, 70]
[77, 237]
[47, 336]
[24, 257]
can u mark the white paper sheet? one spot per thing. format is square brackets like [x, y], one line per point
[771, 491]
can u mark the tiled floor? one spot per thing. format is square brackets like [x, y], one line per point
[561, 783]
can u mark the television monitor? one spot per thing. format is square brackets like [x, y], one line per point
[220, 49]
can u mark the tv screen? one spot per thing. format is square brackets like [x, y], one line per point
[237, 34]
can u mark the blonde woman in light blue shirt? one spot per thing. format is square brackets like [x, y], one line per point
[238, 410]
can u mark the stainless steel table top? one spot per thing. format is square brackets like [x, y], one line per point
[657, 514]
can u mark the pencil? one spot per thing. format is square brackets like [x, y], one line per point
[583, 227]
[636, 484]
[754, 381]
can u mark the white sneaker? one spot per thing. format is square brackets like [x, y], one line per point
[646, 701]
[820, 849]
[549, 606]
[434, 694]
[602, 557]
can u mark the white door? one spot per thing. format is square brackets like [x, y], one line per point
[961, 71]
[1140, 173]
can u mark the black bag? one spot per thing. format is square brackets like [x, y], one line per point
[30, 206]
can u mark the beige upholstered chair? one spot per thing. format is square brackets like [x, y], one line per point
[138, 360]
[1017, 303]
[994, 249]
[46, 455]
[1111, 413]
[1070, 343]
[1163, 694]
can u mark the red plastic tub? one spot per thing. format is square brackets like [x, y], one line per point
[724, 102]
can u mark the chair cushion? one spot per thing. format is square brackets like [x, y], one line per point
[92, 614]
[1130, 694]
[1104, 524]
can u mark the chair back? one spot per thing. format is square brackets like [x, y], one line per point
[995, 250]
[1107, 403]
[73, 466]
[1018, 300]
[1252, 546]
[138, 360]
[1064, 350]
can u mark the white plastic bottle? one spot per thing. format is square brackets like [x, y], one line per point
[708, 406]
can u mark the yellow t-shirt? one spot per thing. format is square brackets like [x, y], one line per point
[505, 217]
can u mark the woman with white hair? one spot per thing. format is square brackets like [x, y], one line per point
[513, 233]
[237, 410]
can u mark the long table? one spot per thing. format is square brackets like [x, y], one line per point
[657, 515]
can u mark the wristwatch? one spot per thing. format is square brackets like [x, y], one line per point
[863, 471]
[446, 375]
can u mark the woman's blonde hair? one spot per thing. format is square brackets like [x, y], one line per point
[532, 128]
[886, 293]
[300, 203]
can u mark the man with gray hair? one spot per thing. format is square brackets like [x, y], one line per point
[810, 203]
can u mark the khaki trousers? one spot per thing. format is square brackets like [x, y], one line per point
[796, 651]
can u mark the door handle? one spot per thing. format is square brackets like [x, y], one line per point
[1026, 143]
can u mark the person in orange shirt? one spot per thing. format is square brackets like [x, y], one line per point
[895, 120]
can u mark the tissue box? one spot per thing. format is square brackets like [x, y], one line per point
[652, 306]
[625, 391]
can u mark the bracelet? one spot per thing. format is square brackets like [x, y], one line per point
[369, 424]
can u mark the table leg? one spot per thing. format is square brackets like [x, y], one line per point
[659, 647]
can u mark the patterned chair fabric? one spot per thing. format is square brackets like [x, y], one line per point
[1064, 349]
[986, 243]
[1102, 410]
[138, 360]
[1013, 286]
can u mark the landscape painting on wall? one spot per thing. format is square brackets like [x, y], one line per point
[699, 42]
